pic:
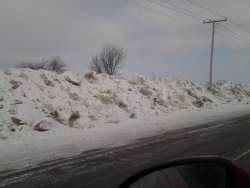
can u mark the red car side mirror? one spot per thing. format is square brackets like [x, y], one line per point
[195, 172]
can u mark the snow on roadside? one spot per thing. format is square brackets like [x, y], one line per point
[46, 115]
[39, 100]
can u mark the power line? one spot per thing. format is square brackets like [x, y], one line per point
[172, 4]
[166, 15]
[186, 14]
[196, 14]
[227, 31]
[235, 37]
[239, 25]
[211, 11]
[224, 34]
[242, 39]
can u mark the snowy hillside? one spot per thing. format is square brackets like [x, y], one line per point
[42, 100]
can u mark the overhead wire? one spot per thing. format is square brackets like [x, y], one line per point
[181, 12]
[225, 35]
[233, 33]
[222, 28]
[233, 36]
[238, 36]
[166, 15]
[227, 31]
[172, 4]
[203, 7]
[211, 11]
[235, 40]
[235, 23]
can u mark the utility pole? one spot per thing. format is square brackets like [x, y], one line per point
[214, 23]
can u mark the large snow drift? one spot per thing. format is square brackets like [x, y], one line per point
[40, 100]
[44, 115]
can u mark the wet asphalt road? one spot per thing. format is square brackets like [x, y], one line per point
[107, 167]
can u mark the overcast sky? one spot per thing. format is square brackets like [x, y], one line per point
[156, 44]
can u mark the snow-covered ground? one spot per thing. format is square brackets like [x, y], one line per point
[45, 115]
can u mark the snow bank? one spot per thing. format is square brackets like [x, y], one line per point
[44, 115]
[29, 97]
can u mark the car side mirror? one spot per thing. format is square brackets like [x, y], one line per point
[202, 172]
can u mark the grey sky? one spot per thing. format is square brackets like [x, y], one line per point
[155, 44]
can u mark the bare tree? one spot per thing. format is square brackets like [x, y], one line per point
[109, 61]
[55, 64]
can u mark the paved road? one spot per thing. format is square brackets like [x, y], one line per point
[107, 167]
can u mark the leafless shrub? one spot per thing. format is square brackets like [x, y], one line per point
[92, 117]
[198, 103]
[206, 99]
[105, 99]
[113, 121]
[235, 90]
[17, 101]
[56, 116]
[46, 80]
[215, 92]
[159, 101]
[110, 60]
[55, 64]
[43, 126]
[32, 65]
[12, 111]
[89, 76]
[132, 115]
[199, 88]
[73, 117]
[162, 102]
[145, 91]
[121, 104]
[181, 99]
[74, 96]
[221, 82]
[2, 136]
[106, 91]
[12, 129]
[190, 93]
[246, 92]
[137, 79]
[14, 84]
[114, 99]
[17, 121]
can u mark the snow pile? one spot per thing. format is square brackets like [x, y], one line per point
[42, 100]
